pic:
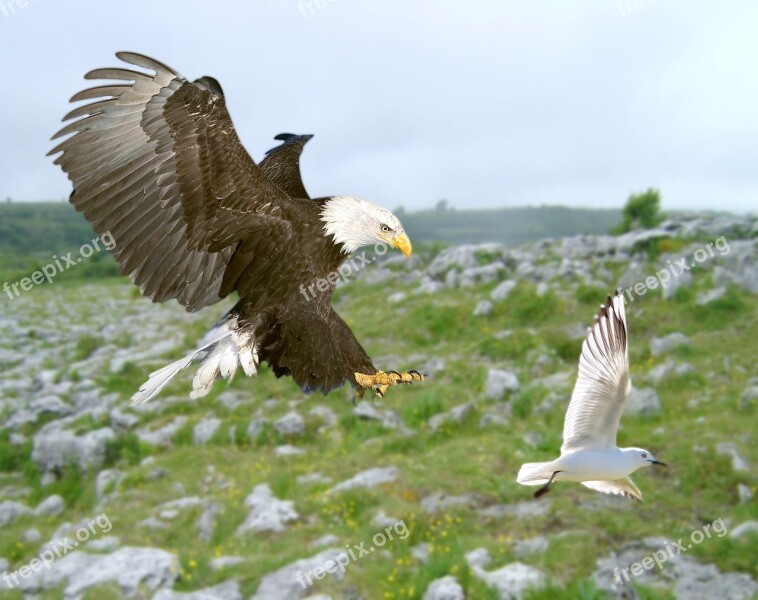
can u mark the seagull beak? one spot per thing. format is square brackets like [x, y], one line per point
[657, 462]
[402, 243]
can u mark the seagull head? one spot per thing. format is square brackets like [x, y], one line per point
[643, 458]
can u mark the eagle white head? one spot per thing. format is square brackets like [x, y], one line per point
[354, 222]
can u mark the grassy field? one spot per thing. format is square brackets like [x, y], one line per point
[527, 334]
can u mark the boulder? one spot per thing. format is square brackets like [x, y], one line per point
[689, 579]
[746, 528]
[291, 424]
[268, 513]
[502, 291]
[454, 415]
[49, 404]
[224, 562]
[288, 450]
[255, 427]
[441, 501]
[228, 590]
[512, 582]
[10, 511]
[444, 588]
[642, 402]
[107, 479]
[206, 522]
[56, 448]
[51, 506]
[739, 464]
[667, 343]
[481, 275]
[326, 414]
[163, 435]
[499, 382]
[369, 478]
[292, 581]
[704, 298]
[429, 286]
[203, 431]
[483, 308]
[535, 545]
[132, 569]
[462, 257]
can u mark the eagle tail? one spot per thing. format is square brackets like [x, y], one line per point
[224, 348]
[160, 378]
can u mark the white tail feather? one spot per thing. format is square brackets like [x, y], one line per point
[227, 362]
[248, 354]
[225, 350]
[160, 378]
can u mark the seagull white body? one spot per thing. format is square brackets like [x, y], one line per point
[589, 454]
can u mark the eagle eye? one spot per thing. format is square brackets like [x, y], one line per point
[386, 228]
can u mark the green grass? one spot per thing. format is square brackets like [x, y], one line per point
[699, 410]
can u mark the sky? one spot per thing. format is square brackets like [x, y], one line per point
[485, 103]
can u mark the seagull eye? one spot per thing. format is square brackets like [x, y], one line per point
[644, 455]
[386, 228]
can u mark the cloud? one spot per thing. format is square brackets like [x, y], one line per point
[484, 103]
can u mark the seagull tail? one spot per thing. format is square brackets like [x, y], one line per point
[535, 473]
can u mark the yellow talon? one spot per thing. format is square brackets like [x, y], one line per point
[384, 379]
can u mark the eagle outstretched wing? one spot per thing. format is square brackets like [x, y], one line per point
[282, 164]
[156, 163]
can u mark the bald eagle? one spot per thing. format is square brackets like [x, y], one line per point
[156, 163]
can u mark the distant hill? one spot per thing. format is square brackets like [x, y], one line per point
[32, 232]
[510, 226]
[41, 229]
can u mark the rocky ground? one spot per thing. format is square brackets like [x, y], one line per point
[253, 490]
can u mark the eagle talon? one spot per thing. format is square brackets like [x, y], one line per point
[382, 380]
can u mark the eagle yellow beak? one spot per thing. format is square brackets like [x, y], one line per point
[402, 243]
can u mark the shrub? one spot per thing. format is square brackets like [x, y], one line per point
[642, 211]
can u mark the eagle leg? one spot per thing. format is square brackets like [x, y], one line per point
[384, 379]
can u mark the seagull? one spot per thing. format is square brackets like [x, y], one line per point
[589, 454]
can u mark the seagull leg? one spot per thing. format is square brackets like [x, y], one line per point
[546, 488]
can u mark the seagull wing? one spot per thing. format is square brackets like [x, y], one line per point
[621, 487]
[603, 383]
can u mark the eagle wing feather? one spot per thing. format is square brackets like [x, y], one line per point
[156, 163]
